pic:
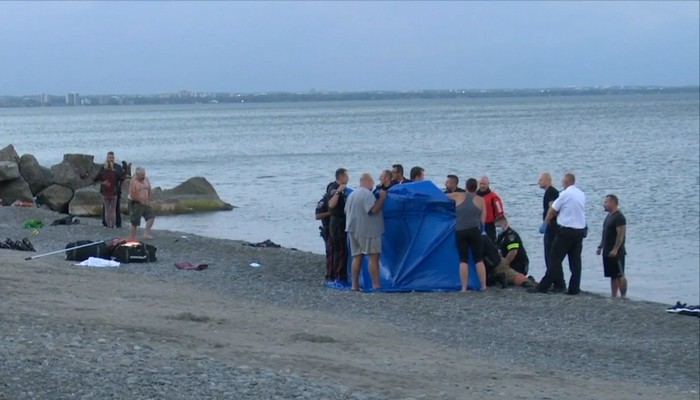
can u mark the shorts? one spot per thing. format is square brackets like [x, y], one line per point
[614, 267]
[469, 239]
[363, 245]
[137, 211]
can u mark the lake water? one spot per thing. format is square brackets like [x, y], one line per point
[273, 162]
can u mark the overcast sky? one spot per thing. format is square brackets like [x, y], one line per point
[153, 47]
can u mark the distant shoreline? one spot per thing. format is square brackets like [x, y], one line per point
[74, 99]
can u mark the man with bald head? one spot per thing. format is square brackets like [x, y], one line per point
[365, 226]
[550, 194]
[570, 211]
[494, 206]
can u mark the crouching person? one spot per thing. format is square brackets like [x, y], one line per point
[365, 226]
[498, 270]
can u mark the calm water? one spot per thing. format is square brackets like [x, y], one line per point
[274, 160]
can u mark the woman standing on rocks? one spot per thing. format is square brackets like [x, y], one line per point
[109, 179]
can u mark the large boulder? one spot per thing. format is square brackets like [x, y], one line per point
[15, 189]
[75, 171]
[197, 186]
[56, 197]
[9, 154]
[8, 171]
[194, 195]
[86, 201]
[38, 177]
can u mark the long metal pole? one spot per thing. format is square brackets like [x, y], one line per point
[69, 249]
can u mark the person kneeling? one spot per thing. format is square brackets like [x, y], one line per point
[365, 226]
[498, 270]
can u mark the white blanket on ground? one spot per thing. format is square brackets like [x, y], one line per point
[98, 262]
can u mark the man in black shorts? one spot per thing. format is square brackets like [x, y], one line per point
[612, 246]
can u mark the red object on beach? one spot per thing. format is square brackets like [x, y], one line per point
[24, 204]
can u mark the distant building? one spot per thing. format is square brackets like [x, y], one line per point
[45, 99]
[73, 99]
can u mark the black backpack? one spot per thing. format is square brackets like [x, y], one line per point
[135, 252]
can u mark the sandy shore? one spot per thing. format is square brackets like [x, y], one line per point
[150, 331]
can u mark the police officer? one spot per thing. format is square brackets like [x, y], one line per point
[324, 216]
[511, 246]
[337, 195]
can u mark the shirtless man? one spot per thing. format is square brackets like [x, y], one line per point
[139, 197]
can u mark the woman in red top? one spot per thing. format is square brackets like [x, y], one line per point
[109, 180]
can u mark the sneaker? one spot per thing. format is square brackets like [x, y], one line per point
[677, 308]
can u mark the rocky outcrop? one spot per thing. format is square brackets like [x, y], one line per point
[86, 201]
[8, 171]
[9, 154]
[75, 171]
[70, 187]
[37, 177]
[56, 197]
[15, 190]
[194, 195]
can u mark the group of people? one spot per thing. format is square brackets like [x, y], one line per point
[482, 232]
[111, 177]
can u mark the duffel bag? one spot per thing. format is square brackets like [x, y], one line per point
[134, 252]
[98, 250]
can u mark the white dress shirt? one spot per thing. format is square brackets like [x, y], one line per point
[571, 206]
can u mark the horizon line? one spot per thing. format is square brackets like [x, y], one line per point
[318, 91]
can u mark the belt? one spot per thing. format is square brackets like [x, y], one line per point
[573, 229]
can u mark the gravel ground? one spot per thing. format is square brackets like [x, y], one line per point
[572, 338]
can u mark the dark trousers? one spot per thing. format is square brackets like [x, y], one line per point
[337, 268]
[327, 244]
[490, 229]
[549, 237]
[118, 221]
[567, 243]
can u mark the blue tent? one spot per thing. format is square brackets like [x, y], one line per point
[418, 247]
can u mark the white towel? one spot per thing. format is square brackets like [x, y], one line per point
[98, 262]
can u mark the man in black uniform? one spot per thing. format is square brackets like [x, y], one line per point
[324, 216]
[385, 182]
[550, 194]
[397, 175]
[336, 227]
[452, 184]
[612, 246]
[511, 246]
[497, 269]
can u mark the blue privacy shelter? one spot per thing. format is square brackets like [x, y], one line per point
[418, 247]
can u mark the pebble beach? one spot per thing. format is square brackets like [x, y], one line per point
[232, 331]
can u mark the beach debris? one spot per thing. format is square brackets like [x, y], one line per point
[69, 220]
[186, 265]
[255, 264]
[23, 245]
[266, 243]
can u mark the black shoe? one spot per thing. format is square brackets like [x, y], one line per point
[573, 292]
[536, 289]
[501, 278]
[558, 289]
[28, 244]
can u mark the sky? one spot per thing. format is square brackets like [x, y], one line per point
[221, 46]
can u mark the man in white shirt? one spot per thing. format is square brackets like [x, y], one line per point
[365, 226]
[569, 209]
